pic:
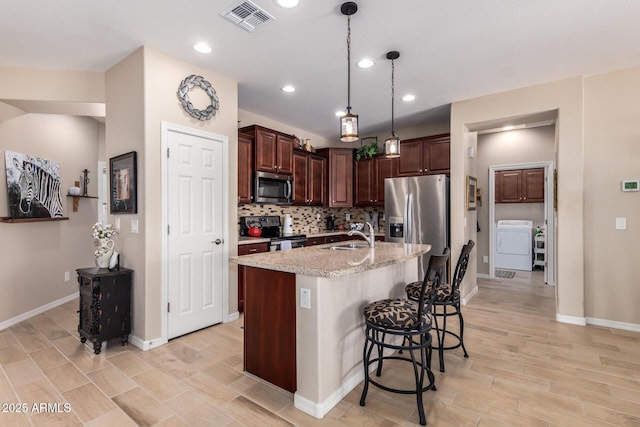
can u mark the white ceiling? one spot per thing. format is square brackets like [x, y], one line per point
[449, 50]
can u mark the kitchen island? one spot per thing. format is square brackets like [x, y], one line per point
[303, 325]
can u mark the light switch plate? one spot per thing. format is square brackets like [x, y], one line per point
[621, 223]
[305, 298]
[134, 226]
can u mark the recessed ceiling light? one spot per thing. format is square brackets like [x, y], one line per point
[202, 47]
[288, 3]
[339, 113]
[365, 63]
[408, 98]
[288, 89]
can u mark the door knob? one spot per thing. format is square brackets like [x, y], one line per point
[218, 241]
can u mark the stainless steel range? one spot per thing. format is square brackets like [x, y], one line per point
[271, 227]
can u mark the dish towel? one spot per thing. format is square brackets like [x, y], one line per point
[285, 245]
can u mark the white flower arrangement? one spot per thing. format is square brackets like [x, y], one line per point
[102, 232]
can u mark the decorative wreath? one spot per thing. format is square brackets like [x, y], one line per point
[183, 95]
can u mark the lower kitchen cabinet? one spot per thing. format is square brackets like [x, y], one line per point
[252, 248]
[105, 305]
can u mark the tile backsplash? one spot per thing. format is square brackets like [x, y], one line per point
[305, 217]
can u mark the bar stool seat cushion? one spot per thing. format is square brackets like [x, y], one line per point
[395, 314]
[443, 295]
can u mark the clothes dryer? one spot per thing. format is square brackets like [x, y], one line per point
[514, 245]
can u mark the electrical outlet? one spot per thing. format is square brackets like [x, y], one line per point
[305, 298]
[117, 225]
[347, 217]
[485, 259]
[317, 217]
[67, 277]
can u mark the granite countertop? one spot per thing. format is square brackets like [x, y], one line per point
[322, 262]
[247, 240]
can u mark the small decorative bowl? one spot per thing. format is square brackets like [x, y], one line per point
[74, 191]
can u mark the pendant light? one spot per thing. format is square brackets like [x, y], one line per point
[392, 144]
[349, 122]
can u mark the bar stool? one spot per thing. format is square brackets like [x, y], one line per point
[447, 295]
[411, 321]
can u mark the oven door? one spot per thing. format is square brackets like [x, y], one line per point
[273, 188]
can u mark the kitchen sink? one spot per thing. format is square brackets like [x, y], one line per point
[348, 247]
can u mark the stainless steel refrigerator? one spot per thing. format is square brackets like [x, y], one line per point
[416, 210]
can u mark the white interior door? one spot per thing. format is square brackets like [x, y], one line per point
[195, 202]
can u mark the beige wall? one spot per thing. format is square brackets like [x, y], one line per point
[565, 97]
[30, 84]
[509, 148]
[141, 94]
[612, 153]
[35, 256]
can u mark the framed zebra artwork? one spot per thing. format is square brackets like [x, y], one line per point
[124, 188]
[33, 186]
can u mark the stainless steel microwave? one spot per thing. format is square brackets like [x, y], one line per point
[273, 188]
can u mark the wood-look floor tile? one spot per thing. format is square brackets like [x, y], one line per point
[171, 365]
[69, 345]
[159, 385]
[197, 412]
[142, 407]
[569, 404]
[66, 377]
[48, 358]
[553, 414]
[23, 373]
[55, 419]
[172, 421]
[299, 418]
[11, 354]
[6, 338]
[129, 363]
[183, 352]
[39, 392]
[117, 417]
[88, 402]
[7, 393]
[360, 416]
[440, 414]
[86, 361]
[250, 413]
[29, 338]
[213, 392]
[268, 396]
[629, 394]
[13, 419]
[111, 380]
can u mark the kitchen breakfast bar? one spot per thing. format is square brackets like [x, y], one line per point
[303, 324]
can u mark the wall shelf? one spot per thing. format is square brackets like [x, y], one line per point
[9, 220]
[76, 199]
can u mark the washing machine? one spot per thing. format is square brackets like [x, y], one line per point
[514, 244]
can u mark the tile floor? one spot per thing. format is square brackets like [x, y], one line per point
[524, 369]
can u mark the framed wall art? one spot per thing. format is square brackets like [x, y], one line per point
[33, 186]
[124, 184]
[472, 185]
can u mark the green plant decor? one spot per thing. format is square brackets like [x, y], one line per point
[367, 151]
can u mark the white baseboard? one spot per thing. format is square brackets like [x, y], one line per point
[581, 321]
[634, 327]
[319, 410]
[231, 317]
[148, 344]
[465, 300]
[32, 313]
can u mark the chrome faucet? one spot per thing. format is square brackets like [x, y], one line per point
[370, 240]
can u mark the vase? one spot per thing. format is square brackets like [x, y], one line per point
[103, 253]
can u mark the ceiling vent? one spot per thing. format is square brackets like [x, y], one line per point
[247, 15]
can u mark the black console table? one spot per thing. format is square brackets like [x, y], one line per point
[105, 305]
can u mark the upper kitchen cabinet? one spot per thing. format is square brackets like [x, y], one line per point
[340, 180]
[425, 156]
[245, 168]
[273, 150]
[520, 186]
[369, 180]
[309, 176]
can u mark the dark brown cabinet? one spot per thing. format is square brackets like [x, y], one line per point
[369, 180]
[105, 305]
[248, 249]
[520, 186]
[245, 169]
[340, 180]
[425, 156]
[309, 177]
[273, 151]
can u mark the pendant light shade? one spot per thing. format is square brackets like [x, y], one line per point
[392, 144]
[349, 122]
